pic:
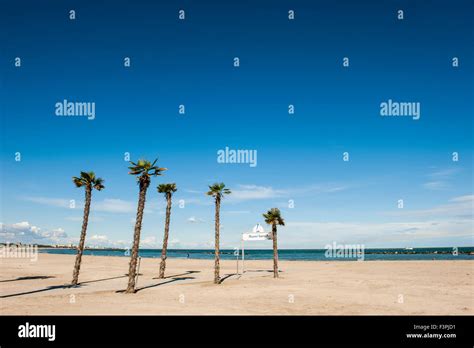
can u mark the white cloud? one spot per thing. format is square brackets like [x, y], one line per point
[26, 233]
[235, 212]
[435, 185]
[246, 192]
[55, 234]
[109, 205]
[113, 205]
[318, 234]
[443, 173]
[204, 201]
[461, 206]
[53, 202]
[254, 192]
[103, 241]
[97, 237]
[80, 218]
[466, 198]
[195, 220]
[317, 189]
[152, 242]
[148, 242]
[438, 179]
[174, 243]
[194, 191]
[445, 224]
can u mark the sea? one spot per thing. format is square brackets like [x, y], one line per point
[446, 253]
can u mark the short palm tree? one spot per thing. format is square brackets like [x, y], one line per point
[89, 181]
[167, 190]
[217, 191]
[144, 170]
[273, 217]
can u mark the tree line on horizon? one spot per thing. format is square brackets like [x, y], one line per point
[145, 170]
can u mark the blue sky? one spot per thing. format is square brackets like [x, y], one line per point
[300, 156]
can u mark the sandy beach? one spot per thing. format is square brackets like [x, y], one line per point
[304, 287]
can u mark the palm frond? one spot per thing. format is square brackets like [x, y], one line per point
[167, 188]
[77, 181]
[99, 184]
[88, 179]
[218, 190]
[144, 169]
[273, 216]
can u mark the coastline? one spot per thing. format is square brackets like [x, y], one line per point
[392, 254]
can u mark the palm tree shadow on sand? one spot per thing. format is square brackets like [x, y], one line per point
[261, 270]
[159, 284]
[49, 288]
[56, 287]
[26, 278]
[227, 276]
[101, 280]
[177, 275]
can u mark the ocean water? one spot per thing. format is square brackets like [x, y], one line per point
[289, 254]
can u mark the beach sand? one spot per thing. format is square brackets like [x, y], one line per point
[304, 287]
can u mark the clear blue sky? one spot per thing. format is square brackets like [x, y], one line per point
[283, 62]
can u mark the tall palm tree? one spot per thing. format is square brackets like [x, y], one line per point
[217, 191]
[168, 190]
[145, 170]
[273, 217]
[89, 182]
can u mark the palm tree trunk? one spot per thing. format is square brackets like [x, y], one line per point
[80, 247]
[275, 251]
[165, 238]
[132, 272]
[216, 265]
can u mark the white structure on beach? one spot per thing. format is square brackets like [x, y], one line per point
[258, 233]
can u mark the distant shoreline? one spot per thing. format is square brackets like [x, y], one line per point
[462, 253]
[466, 250]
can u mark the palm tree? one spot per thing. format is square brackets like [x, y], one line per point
[217, 191]
[273, 217]
[168, 190]
[89, 182]
[144, 169]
